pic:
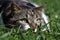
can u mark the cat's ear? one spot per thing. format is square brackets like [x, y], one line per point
[16, 6]
[41, 8]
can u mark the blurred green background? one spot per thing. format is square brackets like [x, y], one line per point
[52, 10]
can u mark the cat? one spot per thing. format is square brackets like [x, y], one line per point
[35, 17]
[25, 14]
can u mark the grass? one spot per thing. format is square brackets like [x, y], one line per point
[52, 10]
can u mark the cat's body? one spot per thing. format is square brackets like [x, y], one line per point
[16, 13]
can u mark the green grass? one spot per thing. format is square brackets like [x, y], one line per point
[52, 10]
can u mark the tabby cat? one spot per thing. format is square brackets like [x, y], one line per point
[23, 14]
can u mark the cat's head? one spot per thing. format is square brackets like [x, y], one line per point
[36, 12]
